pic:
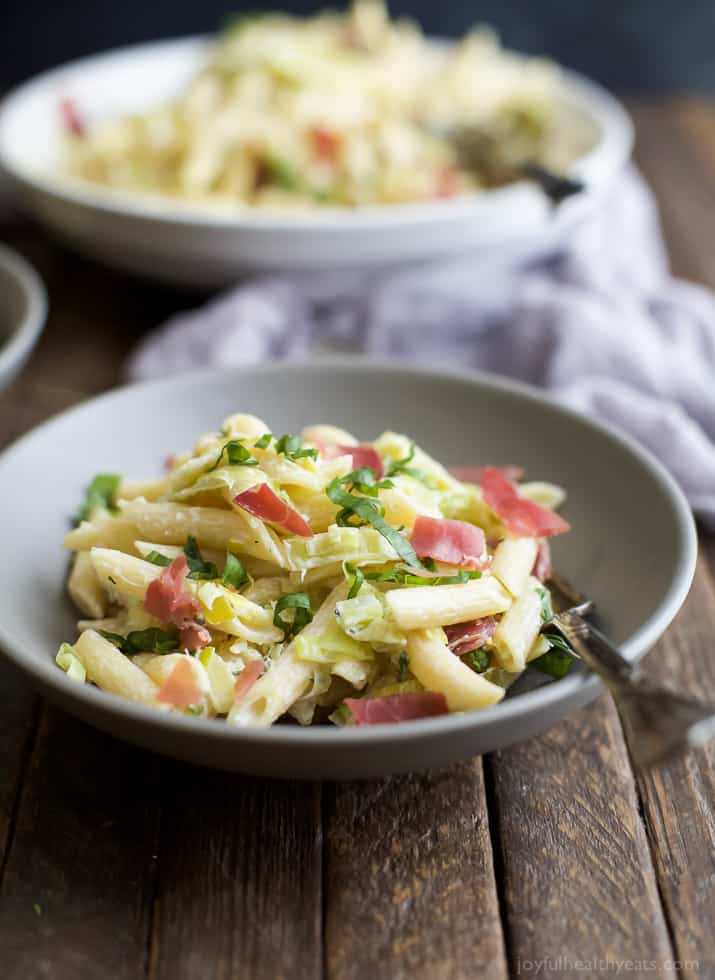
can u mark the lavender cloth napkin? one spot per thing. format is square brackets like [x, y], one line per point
[602, 326]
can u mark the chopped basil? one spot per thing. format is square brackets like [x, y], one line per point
[554, 662]
[236, 455]
[365, 481]
[157, 559]
[366, 512]
[556, 640]
[116, 638]
[303, 614]
[478, 660]
[358, 579]
[403, 577]
[403, 666]
[198, 568]
[151, 640]
[293, 448]
[281, 173]
[547, 610]
[234, 574]
[265, 441]
[394, 467]
[101, 495]
[557, 661]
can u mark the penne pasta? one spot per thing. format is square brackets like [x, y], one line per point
[287, 681]
[84, 587]
[517, 631]
[438, 669]
[112, 671]
[513, 563]
[427, 606]
[269, 576]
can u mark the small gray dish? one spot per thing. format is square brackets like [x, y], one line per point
[632, 548]
[23, 310]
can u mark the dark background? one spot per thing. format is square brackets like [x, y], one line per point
[634, 45]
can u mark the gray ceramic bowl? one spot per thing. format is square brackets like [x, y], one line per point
[23, 309]
[632, 548]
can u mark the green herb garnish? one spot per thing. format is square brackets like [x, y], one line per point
[282, 174]
[236, 455]
[547, 610]
[478, 660]
[358, 579]
[234, 574]
[198, 568]
[365, 481]
[151, 640]
[402, 576]
[265, 441]
[403, 665]
[293, 448]
[101, 495]
[157, 559]
[555, 663]
[303, 614]
[556, 640]
[357, 511]
[394, 467]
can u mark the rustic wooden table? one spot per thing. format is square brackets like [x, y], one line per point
[552, 857]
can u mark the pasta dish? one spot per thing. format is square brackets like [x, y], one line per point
[313, 577]
[337, 109]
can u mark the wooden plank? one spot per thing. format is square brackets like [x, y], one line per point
[578, 882]
[18, 711]
[678, 797]
[409, 881]
[77, 888]
[682, 185]
[27, 403]
[239, 883]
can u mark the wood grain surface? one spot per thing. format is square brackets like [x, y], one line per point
[551, 858]
[408, 863]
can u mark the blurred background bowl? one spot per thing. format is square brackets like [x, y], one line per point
[23, 310]
[168, 240]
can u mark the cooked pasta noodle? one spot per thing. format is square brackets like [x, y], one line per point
[319, 578]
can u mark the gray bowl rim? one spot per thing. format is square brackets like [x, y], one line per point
[24, 334]
[575, 688]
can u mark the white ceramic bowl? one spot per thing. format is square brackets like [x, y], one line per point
[23, 310]
[164, 239]
[632, 547]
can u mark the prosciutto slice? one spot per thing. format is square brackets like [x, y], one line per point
[71, 117]
[165, 598]
[360, 456]
[463, 637]
[397, 707]
[193, 636]
[474, 473]
[523, 518]
[246, 679]
[181, 688]
[542, 565]
[263, 503]
[453, 542]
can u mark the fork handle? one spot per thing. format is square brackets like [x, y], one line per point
[596, 651]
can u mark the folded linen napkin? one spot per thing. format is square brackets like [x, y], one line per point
[601, 325]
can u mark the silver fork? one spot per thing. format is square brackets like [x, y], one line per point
[661, 721]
